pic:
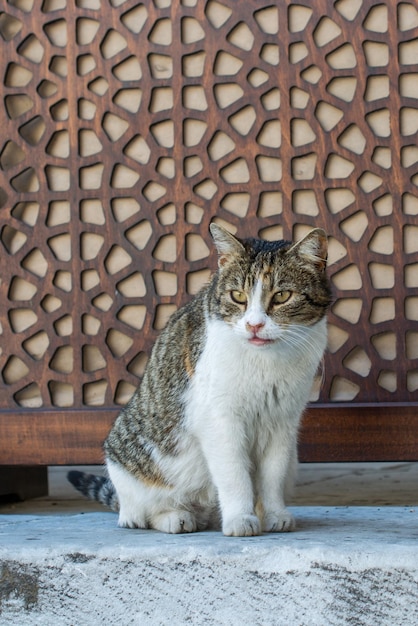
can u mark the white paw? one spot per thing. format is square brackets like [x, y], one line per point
[131, 521]
[174, 522]
[242, 526]
[278, 522]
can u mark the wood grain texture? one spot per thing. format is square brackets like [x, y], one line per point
[343, 433]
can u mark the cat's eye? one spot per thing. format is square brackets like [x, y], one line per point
[239, 296]
[281, 297]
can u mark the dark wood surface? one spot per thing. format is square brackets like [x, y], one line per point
[360, 433]
[343, 433]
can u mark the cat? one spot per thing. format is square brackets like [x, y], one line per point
[210, 435]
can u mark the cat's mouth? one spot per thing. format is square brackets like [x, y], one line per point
[259, 341]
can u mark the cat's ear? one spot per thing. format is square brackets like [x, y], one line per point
[313, 247]
[226, 244]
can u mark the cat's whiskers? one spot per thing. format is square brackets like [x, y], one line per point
[300, 343]
[300, 337]
[320, 374]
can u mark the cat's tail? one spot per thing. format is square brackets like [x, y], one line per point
[98, 488]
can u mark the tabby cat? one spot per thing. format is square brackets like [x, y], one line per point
[211, 432]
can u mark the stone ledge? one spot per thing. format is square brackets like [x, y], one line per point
[342, 566]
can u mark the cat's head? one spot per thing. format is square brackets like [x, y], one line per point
[265, 288]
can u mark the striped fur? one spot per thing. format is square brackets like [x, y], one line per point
[98, 488]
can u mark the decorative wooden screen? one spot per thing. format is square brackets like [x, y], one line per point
[128, 126]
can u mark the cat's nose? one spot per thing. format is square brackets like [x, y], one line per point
[254, 328]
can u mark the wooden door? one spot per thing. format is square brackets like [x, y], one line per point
[128, 126]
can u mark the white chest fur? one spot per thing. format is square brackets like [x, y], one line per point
[269, 382]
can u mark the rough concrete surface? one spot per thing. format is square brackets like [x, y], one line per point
[343, 566]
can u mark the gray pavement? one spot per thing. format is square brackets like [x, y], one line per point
[353, 560]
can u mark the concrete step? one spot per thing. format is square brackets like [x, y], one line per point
[354, 566]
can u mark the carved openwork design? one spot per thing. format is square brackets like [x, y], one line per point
[128, 126]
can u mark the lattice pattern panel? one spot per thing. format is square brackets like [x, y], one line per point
[128, 126]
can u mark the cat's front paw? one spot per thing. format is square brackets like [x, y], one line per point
[174, 522]
[278, 522]
[242, 526]
[131, 521]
